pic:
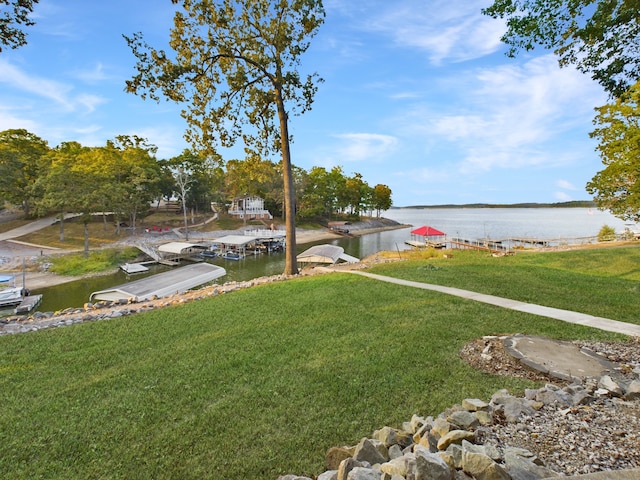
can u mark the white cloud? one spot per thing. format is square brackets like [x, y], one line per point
[19, 80]
[365, 146]
[447, 30]
[57, 92]
[94, 75]
[566, 185]
[509, 116]
[563, 197]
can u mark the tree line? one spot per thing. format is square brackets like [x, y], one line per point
[124, 178]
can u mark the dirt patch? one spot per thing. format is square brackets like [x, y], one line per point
[489, 355]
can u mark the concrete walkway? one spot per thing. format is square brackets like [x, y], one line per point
[556, 313]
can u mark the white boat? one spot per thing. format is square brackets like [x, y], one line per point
[10, 295]
[133, 268]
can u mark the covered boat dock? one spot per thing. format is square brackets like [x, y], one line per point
[427, 237]
[162, 284]
[325, 254]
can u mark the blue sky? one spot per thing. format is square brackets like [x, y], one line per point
[417, 95]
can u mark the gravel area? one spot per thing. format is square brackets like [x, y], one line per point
[604, 435]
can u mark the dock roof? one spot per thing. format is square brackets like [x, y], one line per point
[179, 247]
[325, 254]
[163, 284]
[236, 240]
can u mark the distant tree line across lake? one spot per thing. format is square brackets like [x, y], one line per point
[125, 178]
[572, 204]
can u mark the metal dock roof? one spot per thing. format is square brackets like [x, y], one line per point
[162, 284]
[325, 254]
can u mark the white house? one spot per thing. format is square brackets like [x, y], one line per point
[249, 208]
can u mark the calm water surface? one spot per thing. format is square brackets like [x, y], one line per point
[491, 223]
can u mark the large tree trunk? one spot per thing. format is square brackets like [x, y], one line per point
[291, 261]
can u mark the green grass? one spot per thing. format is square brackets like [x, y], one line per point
[97, 261]
[603, 282]
[259, 382]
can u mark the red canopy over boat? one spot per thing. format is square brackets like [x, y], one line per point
[427, 231]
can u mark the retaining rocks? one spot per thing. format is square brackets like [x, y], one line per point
[461, 443]
[102, 310]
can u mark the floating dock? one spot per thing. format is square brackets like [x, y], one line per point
[28, 303]
[162, 284]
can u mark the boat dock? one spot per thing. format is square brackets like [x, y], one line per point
[162, 284]
[486, 245]
[28, 303]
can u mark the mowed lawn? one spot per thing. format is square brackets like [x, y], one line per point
[261, 382]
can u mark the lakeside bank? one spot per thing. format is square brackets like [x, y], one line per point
[36, 280]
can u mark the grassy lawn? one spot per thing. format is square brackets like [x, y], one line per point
[261, 382]
[604, 282]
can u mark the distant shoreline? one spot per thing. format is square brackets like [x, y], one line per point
[573, 204]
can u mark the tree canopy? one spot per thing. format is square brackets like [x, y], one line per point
[14, 15]
[617, 187]
[23, 159]
[599, 37]
[235, 67]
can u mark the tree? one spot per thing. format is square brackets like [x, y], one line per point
[381, 199]
[13, 15]
[235, 66]
[617, 187]
[59, 185]
[600, 37]
[23, 159]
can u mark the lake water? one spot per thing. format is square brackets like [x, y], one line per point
[472, 223]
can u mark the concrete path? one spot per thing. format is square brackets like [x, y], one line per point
[557, 313]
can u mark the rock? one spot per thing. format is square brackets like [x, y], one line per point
[366, 451]
[475, 405]
[440, 428]
[397, 466]
[362, 473]
[522, 467]
[454, 436]
[633, 391]
[346, 466]
[328, 475]
[430, 466]
[481, 467]
[607, 383]
[335, 455]
[463, 420]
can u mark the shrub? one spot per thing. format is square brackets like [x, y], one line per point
[606, 234]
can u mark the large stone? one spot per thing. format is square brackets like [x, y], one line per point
[390, 436]
[474, 404]
[463, 420]
[328, 475]
[607, 383]
[397, 466]
[454, 436]
[346, 466]
[440, 427]
[481, 467]
[633, 391]
[335, 456]
[366, 451]
[522, 468]
[362, 473]
[431, 466]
